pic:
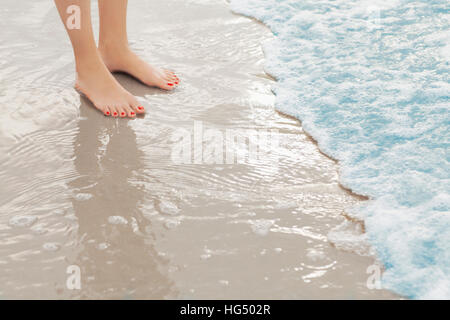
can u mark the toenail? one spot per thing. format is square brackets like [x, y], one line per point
[141, 108]
[122, 114]
[176, 82]
[132, 113]
[170, 84]
[107, 113]
[115, 114]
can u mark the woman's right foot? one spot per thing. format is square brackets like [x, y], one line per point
[96, 82]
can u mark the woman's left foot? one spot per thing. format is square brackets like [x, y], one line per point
[127, 61]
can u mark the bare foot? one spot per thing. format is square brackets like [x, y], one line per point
[125, 60]
[96, 82]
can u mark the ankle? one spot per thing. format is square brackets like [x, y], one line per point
[88, 65]
[107, 47]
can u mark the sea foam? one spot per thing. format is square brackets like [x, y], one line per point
[370, 82]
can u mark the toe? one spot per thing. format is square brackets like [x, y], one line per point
[107, 111]
[130, 112]
[175, 80]
[170, 79]
[171, 76]
[137, 107]
[114, 112]
[170, 83]
[140, 109]
[166, 84]
[170, 72]
[122, 111]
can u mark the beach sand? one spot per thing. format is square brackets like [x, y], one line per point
[106, 196]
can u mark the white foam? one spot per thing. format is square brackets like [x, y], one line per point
[369, 80]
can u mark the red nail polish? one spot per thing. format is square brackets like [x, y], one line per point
[115, 114]
[176, 82]
[107, 113]
[132, 113]
[170, 84]
[141, 108]
[122, 114]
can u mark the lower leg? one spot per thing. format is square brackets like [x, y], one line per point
[113, 24]
[83, 42]
[113, 46]
[93, 77]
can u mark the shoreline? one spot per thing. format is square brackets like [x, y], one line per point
[313, 140]
[273, 78]
[347, 189]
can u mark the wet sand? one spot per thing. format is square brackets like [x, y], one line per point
[80, 189]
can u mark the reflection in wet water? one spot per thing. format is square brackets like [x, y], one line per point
[103, 194]
[118, 259]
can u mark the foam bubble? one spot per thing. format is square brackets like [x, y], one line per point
[117, 220]
[83, 196]
[102, 246]
[51, 246]
[168, 207]
[22, 221]
[171, 224]
[261, 227]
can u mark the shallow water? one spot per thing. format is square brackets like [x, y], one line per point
[370, 81]
[105, 195]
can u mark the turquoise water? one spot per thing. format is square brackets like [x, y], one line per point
[370, 81]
